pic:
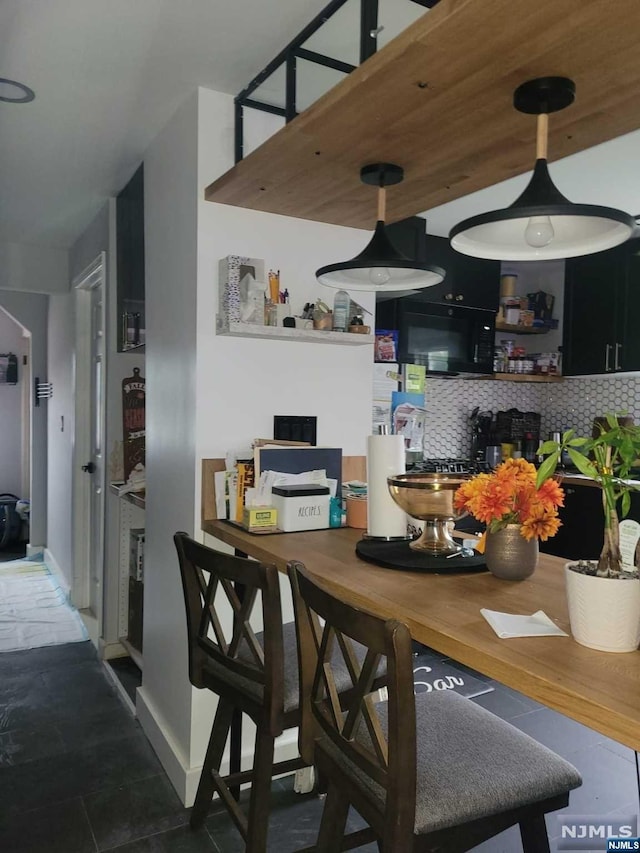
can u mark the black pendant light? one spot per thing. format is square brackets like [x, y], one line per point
[542, 224]
[380, 267]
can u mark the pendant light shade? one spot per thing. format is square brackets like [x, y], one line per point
[380, 266]
[542, 224]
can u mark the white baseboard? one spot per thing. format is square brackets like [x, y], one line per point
[183, 778]
[107, 651]
[34, 550]
[91, 624]
[54, 568]
[119, 687]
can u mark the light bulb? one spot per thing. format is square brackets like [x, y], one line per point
[539, 231]
[379, 275]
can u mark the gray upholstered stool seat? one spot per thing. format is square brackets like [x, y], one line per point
[472, 764]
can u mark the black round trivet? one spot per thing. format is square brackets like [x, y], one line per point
[398, 555]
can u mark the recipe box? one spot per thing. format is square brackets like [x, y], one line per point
[301, 507]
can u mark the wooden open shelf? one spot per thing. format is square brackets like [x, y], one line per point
[522, 330]
[438, 100]
[526, 377]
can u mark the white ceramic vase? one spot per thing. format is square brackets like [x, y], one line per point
[604, 612]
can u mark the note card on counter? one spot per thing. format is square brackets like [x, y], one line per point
[509, 625]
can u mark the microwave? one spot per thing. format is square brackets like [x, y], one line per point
[449, 340]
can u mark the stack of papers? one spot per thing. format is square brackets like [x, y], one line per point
[508, 625]
[262, 495]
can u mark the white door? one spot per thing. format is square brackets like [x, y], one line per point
[89, 458]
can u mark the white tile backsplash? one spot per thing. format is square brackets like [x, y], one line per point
[575, 402]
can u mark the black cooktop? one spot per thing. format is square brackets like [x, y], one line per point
[449, 465]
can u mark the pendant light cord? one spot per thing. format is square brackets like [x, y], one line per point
[382, 204]
[542, 136]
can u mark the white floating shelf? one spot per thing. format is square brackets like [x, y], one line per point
[282, 333]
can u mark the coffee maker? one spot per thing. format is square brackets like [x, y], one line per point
[481, 433]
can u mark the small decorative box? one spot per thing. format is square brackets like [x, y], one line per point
[301, 507]
[231, 271]
[262, 518]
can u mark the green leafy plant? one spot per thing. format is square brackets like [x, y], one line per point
[607, 459]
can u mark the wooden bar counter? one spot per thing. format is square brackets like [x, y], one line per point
[598, 689]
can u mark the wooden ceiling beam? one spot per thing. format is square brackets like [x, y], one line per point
[438, 100]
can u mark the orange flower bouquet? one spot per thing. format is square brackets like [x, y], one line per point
[510, 496]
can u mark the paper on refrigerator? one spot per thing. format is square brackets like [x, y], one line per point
[385, 382]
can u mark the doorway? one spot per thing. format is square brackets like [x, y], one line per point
[88, 454]
[15, 430]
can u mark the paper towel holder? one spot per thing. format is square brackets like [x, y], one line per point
[395, 536]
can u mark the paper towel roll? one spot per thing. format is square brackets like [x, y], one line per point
[385, 458]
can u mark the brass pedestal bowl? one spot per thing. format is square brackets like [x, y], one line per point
[429, 498]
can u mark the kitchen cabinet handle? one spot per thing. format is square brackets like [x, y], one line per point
[607, 351]
[448, 297]
[459, 298]
[617, 358]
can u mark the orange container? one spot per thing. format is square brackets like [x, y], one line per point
[357, 512]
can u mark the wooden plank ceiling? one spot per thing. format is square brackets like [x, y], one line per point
[438, 100]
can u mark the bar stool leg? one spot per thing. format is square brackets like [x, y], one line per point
[258, 823]
[235, 750]
[334, 821]
[533, 832]
[212, 760]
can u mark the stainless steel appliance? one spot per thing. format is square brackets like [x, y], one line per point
[447, 339]
[481, 432]
[450, 466]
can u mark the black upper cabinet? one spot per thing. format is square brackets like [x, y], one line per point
[582, 532]
[472, 282]
[130, 255]
[602, 299]
[629, 355]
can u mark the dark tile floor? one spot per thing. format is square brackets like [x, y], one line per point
[15, 551]
[77, 774]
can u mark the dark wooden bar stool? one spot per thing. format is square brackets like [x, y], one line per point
[254, 673]
[434, 771]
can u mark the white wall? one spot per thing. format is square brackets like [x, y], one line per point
[242, 383]
[60, 431]
[37, 269]
[170, 258]
[12, 341]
